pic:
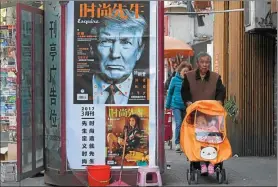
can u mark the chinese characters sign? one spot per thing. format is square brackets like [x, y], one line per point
[99, 10]
[88, 135]
[52, 83]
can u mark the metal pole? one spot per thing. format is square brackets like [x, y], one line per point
[160, 156]
[205, 12]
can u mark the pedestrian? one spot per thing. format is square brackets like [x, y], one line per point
[167, 83]
[174, 99]
[202, 84]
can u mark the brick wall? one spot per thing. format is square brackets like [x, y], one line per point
[275, 104]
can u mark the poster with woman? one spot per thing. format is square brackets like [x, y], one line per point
[132, 121]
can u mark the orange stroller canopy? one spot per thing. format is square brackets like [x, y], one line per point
[203, 133]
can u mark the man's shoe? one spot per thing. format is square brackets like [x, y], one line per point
[178, 148]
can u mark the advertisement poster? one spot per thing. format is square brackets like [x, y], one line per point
[111, 55]
[134, 123]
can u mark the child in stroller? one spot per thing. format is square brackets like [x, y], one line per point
[204, 141]
[203, 128]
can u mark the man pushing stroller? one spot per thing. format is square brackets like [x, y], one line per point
[202, 84]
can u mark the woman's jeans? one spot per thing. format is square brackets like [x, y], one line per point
[178, 116]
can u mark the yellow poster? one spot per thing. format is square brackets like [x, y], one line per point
[132, 121]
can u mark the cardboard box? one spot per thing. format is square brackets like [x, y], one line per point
[12, 151]
[3, 153]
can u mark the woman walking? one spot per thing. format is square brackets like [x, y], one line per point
[174, 100]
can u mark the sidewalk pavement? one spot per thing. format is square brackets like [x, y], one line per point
[242, 171]
[36, 181]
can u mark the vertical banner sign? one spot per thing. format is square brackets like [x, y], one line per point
[111, 63]
[166, 25]
[52, 84]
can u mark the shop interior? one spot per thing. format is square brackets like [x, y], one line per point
[8, 83]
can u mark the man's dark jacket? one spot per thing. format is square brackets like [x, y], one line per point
[195, 89]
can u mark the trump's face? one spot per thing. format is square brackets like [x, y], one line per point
[118, 50]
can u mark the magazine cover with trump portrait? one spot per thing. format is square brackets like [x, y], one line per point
[135, 121]
[111, 52]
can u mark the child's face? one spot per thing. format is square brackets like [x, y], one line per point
[201, 121]
[212, 123]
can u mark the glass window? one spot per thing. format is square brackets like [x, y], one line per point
[38, 92]
[26, 90]
[209, 128]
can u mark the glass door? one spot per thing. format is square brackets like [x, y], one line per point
[30, 98]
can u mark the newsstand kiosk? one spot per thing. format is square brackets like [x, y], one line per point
[90, 46]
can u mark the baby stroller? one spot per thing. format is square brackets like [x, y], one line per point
[203, 138]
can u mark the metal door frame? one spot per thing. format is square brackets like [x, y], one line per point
[34, 171]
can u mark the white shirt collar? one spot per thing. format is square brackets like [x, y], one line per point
[124, 87]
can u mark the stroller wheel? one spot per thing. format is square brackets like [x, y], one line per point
[197, 175]
[189, 177]
[193, 176]
[222, 177]
[217, 175]
[224, 173]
